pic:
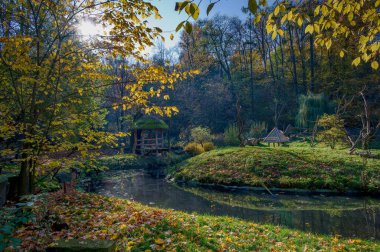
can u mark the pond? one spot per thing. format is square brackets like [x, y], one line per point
[331, 215]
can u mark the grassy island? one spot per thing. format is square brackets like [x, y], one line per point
[282, 167]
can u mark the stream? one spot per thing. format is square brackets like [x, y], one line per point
[331, 215]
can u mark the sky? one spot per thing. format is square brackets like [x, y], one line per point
[171, 18]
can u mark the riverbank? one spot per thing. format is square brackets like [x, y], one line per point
[139, 228]
[310, 169]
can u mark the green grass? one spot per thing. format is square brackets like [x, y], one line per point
[297, 166]
[139, 228]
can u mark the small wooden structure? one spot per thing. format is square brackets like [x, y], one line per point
[149, 136]
[276, 136]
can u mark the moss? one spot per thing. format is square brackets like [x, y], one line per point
[149, 124]
[290, 167]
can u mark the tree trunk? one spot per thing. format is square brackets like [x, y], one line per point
[312, 78]
[293, 59]
[24, 177]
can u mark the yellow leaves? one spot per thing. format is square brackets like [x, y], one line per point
[188, 27]
[280, 32]
[269, 27]
[175, 110]
[366, 57]
[299, 21]
[316, 28]
[195, 72]
[290, 15]
[276, 10]
[121, 134]
[191, 9]
[159, 241]
[341, 54]
[257, 19]
[375, 65]
[324, 10]
[114, 236]
[316, 11]
[309, 29]
[274, 35]
[171, 36]
[284, 18]
[80, 91]
[350, 16]
[356, 61]
[338, 6]
[328, 44]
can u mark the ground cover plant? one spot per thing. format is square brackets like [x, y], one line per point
[284, 167]
[139, 228]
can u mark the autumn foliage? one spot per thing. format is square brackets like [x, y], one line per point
[139, 228]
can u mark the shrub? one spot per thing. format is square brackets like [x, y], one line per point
[121, 162]
[333, 130]
[231, 135]
[208, 146]
[194, 148]
[258, 129]
[201, 135]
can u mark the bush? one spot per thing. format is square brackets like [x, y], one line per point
[208, 146]
[231, 135]
[194, 148]
[257, 129]
[201, 135]
[333, 130]
[121, 162]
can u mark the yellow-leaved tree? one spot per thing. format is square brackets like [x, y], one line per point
[52, 82]
[332, 21]
[329, 22]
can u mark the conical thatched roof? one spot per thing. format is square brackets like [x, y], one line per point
[149, 123]
[276, 136]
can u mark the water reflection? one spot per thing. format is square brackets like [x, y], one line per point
[348, 217]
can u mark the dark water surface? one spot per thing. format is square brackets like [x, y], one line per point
[333, 215]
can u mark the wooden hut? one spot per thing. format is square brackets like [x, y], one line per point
[276, 136]
[149, 136]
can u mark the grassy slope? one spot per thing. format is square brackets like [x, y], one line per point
[284, 167]
[139, 228]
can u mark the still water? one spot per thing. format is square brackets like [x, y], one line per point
[332, 215]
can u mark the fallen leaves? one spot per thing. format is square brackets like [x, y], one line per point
[139, 228]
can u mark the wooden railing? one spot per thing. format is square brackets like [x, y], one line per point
[151, 143]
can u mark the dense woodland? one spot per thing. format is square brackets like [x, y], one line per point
[242, 66]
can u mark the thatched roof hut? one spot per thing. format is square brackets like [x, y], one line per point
[276, 136]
